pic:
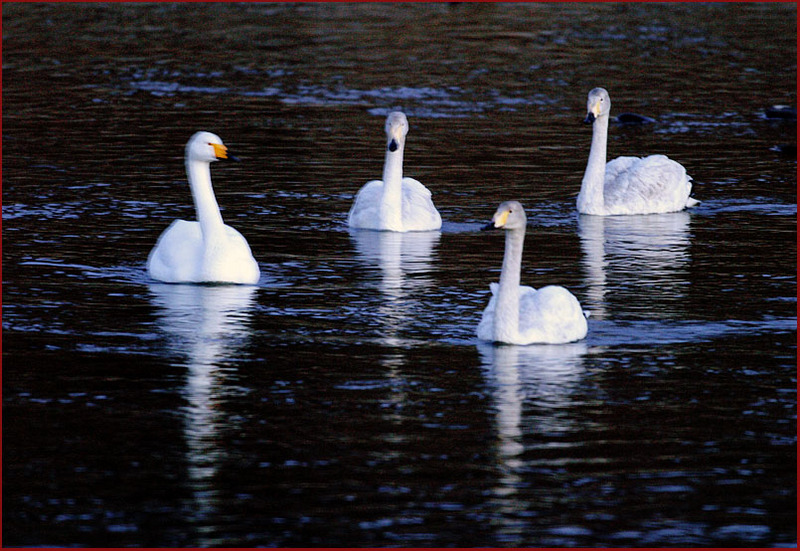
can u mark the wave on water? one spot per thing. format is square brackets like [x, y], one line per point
[428, 102]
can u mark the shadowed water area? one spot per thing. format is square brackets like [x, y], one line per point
[345, 400]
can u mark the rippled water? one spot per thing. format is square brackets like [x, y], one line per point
[344, 400]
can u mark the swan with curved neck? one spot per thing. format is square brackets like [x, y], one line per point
[394, 203]
[206, 251]
[519, 314]
[628, 185]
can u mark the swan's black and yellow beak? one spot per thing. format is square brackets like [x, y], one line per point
[594, 112]
[498, 221]
[396, 133]
[221, 152]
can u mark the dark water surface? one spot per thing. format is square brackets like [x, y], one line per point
[344, 400]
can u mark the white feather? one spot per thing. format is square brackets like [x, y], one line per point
[206, 251]
[394, 203]
[628, 185]
[518, 314]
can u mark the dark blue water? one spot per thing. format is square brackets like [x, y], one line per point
[344, 400]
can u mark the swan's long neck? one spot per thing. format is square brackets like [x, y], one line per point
[391, 211]
[590, 198]
[199, 174]
[506, 314]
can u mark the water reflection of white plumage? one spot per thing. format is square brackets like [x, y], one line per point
[642, 260]
[531, 387]
[206, 324]
[404, 260]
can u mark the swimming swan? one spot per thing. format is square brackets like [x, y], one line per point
[394, 203]
[628, 185]
[206, 251]
[522, 315]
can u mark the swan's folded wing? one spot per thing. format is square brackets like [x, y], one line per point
[652, 184]
[237, 246]
[528, 306]
[418, 210]
[364, 211]
[551, 314]
[485, 329]
[174, 258]
[619, 166]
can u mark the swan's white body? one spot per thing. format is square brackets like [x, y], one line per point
[519, 314]
[206, 251]
[394, 203]
[628, 185]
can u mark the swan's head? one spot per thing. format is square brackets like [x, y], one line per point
[206, 147]
[598, 105]
[509, 216]
[396, 130]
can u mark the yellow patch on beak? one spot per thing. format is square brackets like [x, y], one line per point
[397, 133]
[501, 219]
[595, 110]
[220, 151]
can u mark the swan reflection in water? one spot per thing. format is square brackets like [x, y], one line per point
[208, 325]
[531, 388]
[404, 260]
[640, 260]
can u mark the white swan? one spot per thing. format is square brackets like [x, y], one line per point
[628, 185]
[394, 203]
[522, 315]
[206, 251]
